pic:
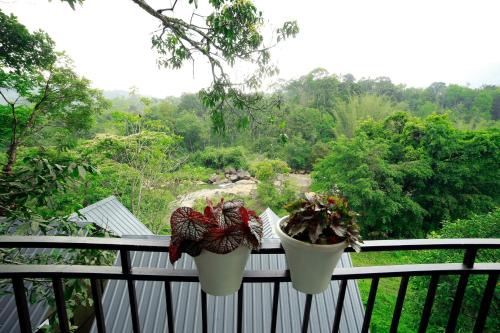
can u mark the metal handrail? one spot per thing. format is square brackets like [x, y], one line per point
[162, 243]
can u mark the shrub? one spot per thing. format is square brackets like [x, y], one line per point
[271, 191]
[221, 158]
[268, 169]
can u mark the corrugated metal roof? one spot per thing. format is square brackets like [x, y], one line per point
[109, 214]
[222, 310]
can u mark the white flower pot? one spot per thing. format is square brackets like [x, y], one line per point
[221, 274]
[311, 265]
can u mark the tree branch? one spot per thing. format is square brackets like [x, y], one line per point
[159, 11]
[5, 98]
[32, 117]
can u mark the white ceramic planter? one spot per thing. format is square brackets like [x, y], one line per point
[311, 265]
[221, 274]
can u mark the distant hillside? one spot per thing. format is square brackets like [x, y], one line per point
[110, 94]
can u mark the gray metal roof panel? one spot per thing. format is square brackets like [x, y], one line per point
[222, 310]
[110, 214]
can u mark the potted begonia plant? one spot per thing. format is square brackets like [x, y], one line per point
[219, 239]
[314, 237]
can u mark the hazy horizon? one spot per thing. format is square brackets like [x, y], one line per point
[413, 44]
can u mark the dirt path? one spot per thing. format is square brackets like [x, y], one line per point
[303, 182]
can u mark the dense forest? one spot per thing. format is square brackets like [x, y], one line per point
[407, 158]
[413, 162]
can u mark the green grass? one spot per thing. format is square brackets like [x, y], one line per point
[387, 290]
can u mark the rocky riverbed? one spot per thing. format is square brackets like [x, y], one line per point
[240, 187]
[246, 186]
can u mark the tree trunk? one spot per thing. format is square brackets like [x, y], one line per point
[11, 157]
[14, 143]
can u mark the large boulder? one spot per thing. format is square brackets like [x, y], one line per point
[243, 174]
[215, 179]
[232, 177]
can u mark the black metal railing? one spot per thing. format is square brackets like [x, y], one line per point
[17, 273]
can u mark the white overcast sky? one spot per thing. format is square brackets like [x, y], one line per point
[413, 42]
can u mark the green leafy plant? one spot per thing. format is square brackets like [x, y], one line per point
[36, 183]
[220, 229]
[319, 219]
[274, 190]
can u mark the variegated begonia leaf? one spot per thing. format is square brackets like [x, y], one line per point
[339, 229]
[296, 229]
[256, 231]
[188, 224]
[322, 219]
[252, 226]
[315, 230]
[220, 229]
[231, 213]
[223, 240]
[232, 204]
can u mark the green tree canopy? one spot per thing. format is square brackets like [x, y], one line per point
[405, 175]
[41, 94]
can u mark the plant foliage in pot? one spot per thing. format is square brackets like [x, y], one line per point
[314, 237]
[219, 239]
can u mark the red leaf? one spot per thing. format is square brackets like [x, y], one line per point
[208, 212]
[245, 217]
[174, 252]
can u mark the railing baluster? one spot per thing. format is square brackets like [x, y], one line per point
[97, 296]
[470, 257]
[429, 301]
[240, 310]
[62, 314]
[369, 305]
[489, 291]
[339, 307]
[399, 303]
[276, 298]
[134, 309]
[457, 303]
[204, 323]
[170, 311]
[22, 305]
[307, 313]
